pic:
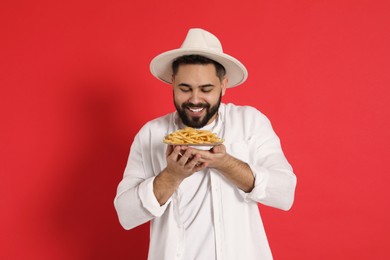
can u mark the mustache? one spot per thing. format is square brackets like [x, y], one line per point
[199, 105]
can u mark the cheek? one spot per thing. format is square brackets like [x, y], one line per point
[179, 98]
[183, 97]
[212, 99]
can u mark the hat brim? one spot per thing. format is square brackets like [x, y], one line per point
[161, 65]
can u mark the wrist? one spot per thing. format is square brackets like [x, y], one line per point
[170, 178]
[224, 163]
[164, 185]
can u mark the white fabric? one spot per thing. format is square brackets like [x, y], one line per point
[238, 228]
[196, 208]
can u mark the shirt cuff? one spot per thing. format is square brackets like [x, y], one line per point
[259, 190]
[149, 200]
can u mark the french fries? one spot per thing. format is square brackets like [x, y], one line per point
[191, 136]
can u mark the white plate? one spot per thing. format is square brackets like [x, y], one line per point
[198, 146]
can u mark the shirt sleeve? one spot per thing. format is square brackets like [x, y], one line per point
[149, 200]
[275, 180]
[135, 202]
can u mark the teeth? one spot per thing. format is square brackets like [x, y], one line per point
[196, 110]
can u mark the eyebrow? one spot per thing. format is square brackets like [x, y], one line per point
[201, 86]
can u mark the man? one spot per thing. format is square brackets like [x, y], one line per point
[202, 204]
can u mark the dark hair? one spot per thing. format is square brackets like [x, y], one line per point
[198, 59]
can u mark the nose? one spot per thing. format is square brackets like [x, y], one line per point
[195, 97]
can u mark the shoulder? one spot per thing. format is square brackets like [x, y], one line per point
[245, 121]
[159, 121]
[157, 126]
[243, 113]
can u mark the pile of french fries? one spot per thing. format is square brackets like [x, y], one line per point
[192, 136]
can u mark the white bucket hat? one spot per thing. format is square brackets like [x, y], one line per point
[199, 42]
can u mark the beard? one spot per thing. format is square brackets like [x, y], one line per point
[197, 122]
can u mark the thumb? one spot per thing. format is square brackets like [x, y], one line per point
[218, 148]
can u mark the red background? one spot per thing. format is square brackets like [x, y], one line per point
[76, 87]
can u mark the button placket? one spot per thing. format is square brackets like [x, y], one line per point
[216, 213]
[181, 243]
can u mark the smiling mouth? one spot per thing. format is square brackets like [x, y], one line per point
[195, 110]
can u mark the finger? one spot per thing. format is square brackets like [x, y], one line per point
[218, 149]
[200, 166]
[202, 160]
[169, 150]
[192, 162]
[204, 155]
[175, 153]
[184, 147]
[186, 156]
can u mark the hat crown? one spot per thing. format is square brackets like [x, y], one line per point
[201, 39]
[203, 43]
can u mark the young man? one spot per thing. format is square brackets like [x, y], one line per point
[203, 204]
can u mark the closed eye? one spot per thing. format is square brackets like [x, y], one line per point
[185, 89]
[207, 89]
[204, 88]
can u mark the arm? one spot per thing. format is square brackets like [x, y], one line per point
[268, 179]
[236, 171]
[255, 163]
[134, 201]
[142, 196]
[275, 180]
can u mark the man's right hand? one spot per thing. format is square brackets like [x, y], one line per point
[182, 162]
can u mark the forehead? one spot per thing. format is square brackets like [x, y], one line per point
[205, 70]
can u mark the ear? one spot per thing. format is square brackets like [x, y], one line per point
[172, 79]
[173, 82]
[224, 85]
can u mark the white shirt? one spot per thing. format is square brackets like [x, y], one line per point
[238, 228]
[195, 207]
